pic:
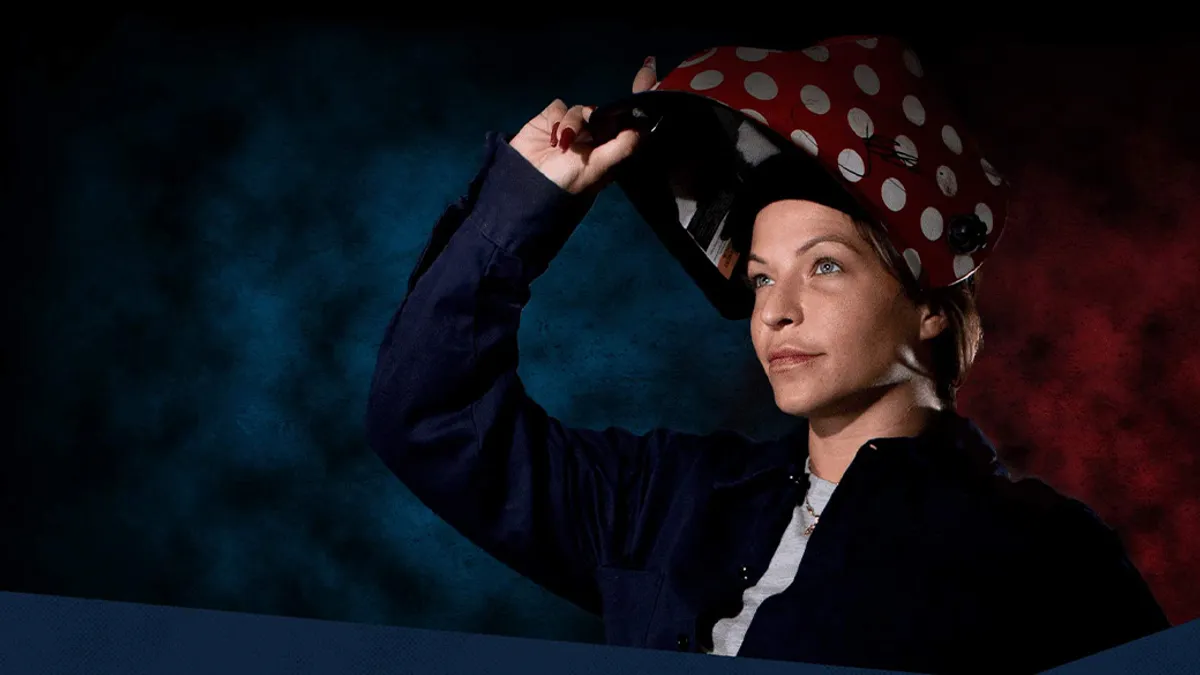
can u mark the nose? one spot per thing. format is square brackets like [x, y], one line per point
[777, 306]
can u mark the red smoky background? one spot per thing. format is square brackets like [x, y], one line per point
[1090, 372]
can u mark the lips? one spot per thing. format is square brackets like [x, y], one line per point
[791, 354]
[790, 357]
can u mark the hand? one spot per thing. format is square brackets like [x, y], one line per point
[555, 143]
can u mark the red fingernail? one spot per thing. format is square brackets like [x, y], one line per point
[568, 136]
[554, 134]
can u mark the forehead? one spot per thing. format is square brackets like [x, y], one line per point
[792, 221]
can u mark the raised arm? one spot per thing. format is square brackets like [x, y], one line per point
[450, 417]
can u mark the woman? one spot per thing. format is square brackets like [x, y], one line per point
[919, 552]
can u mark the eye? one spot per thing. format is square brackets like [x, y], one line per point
[756, 281]
[826, 266]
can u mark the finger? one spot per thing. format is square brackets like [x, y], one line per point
[552, 114]
[647, 75]
[608, 155]
[569, 127]
[585, 136]
[555, 110]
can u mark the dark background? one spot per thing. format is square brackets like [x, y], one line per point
[207, 225]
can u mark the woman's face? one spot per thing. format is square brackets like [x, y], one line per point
[822, 291]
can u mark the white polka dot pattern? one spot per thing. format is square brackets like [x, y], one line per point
[894, 195]
[906, 150]
[866, 79]
[761, 86]
[751, 54]
[806, 140]
[992, 175]
[860, 122]
[819, 54]
[947, 181]
[755, 114]
[985, 214]
[914, 111]
[913, 258]
[963, 265]
[932, 223]
[912, 63]
[707, 80]
[851, 165]
[863, 109]
[815, 99]
[951, 139]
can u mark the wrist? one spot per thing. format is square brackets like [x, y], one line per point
[522, 211]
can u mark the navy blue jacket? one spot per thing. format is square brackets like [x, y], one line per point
[929, 556]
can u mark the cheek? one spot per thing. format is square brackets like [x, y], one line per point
[862, 334]
[885, 340]
[757, 336]
[842, 321]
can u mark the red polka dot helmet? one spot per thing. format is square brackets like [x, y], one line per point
[852, 122]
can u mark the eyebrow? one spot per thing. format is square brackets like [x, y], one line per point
[811, 243]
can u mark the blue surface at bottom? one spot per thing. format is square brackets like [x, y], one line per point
[48, 634]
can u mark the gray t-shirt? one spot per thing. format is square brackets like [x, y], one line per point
[729, 633]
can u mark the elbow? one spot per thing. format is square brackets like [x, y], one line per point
[388, 410]
[380, 423]
[403, 413]
[392, 430]
[416, 408]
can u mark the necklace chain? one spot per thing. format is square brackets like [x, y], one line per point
[816, 517]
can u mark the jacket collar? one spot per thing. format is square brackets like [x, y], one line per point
[950, 442]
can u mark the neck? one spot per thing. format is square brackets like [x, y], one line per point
[834, 438]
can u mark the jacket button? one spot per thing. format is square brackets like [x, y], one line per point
[745, 574]
[683, 642]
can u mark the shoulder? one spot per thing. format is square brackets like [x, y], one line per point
[1061, 543]
[1070, 557]
[1053, 518]
[1077, 572]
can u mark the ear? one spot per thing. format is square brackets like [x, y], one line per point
[933, 322]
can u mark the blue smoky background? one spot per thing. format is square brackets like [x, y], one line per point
[207, 229]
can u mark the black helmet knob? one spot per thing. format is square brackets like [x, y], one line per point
[966, 234]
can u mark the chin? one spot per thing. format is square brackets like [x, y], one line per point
[800, 401]
[809, 402]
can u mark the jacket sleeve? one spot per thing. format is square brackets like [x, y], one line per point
[1100, 600]
[448, 414]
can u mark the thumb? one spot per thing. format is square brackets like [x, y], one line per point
[605, 157]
